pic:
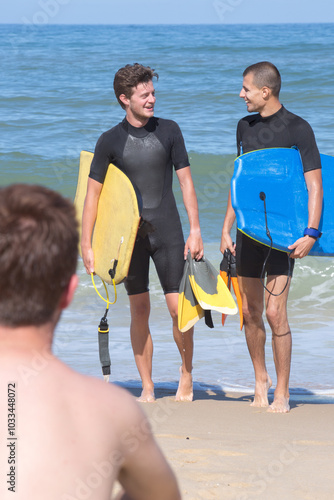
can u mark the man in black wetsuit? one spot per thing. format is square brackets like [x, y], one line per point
[272, 126]
[146, 148]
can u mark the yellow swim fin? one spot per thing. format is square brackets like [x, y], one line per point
[189, 311]
[209, 288]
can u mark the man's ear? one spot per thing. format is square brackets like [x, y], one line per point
[124, 99]
[266, 93]
[68, 294]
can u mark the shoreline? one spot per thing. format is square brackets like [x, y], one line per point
[222, 448]
[204, 391]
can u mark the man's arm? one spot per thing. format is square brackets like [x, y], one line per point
[194, 242]
[313, 180]
[226, 240]
[88, 221]
[145, 473]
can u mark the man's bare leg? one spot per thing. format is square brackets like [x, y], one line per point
[252, 304]
[276, 310]
[185, 344]
[142, 344]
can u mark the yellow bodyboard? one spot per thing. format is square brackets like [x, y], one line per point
[117, 220]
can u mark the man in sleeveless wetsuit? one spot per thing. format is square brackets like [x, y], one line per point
[145, 148]
[272, 126]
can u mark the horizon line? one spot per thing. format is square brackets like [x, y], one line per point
[164, 24]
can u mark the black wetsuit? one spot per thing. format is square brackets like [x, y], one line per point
[147, 155]
[280, 130]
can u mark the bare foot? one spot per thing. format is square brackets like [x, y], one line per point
[147, 396]
[261, 393]
[185, 389]
[279, 405]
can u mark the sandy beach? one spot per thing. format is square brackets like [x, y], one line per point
[222, 448]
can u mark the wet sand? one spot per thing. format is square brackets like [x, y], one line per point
[222, 448]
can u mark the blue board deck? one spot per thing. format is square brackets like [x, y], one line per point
[278, 173]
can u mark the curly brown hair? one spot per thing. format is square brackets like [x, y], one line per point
[128, 77]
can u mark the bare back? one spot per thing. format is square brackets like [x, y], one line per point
[75, 434]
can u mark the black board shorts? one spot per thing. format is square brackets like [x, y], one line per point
[251, 256]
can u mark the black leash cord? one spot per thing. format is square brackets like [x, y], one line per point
[263, 198]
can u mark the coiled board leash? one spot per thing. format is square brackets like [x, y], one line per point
[263, 198]
[103, 329]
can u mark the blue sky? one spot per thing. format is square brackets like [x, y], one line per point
[166, 11]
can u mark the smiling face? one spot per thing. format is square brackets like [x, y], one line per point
[254, 97]
[140, 106]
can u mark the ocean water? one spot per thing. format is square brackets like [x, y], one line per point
[56, 99]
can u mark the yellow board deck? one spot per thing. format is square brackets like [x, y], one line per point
[117, 221]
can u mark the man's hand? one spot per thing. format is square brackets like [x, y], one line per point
[194, 244]
[88, 259]
[226, 242]
[88, 220]
[301, 247]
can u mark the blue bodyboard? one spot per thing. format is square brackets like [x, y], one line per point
[278, 173]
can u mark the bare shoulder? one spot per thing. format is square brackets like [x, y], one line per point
[108, 400]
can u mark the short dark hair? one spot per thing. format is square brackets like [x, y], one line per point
[128, 77]
[265, 75]
[38, 253]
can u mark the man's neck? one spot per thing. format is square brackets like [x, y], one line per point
[136, 122]
[26, 340]
[271, 108]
